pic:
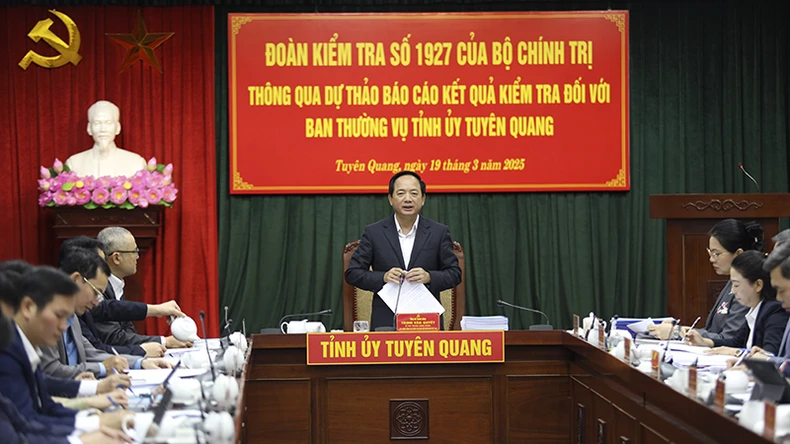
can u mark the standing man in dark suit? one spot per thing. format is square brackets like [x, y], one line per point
[405, 246]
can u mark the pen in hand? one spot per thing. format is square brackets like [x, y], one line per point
[119, 385]
[115, 405]
[690, 328]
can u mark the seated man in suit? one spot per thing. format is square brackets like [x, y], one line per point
[121, 254]
[405, 246]
[16, 426]
[113, 310]
[73, 353]
[46, 303]
[778, 264]
[10, 281]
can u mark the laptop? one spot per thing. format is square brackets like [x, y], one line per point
[770, 384]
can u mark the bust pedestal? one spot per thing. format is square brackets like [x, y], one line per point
[144, 223]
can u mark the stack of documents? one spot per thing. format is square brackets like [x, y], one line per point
[484, 323]
[638, 325]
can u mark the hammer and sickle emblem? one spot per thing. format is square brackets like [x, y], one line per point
[68, 53]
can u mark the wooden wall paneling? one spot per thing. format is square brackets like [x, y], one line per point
[281, 413]
[538, 409]
[358, 410]
[626, 427]
[603, 418]
[582, 427]
[650, 436]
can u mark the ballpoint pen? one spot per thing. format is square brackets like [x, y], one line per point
[690, 328]
[115, 405]
[119, 385]
[741, 358]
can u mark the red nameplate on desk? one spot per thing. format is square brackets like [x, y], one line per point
[418, 322]
[429, 347]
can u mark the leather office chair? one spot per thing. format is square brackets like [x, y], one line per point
[357, 302]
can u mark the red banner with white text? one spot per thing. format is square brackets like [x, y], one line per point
[474, 102]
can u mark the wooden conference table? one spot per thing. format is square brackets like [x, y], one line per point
[552, 388]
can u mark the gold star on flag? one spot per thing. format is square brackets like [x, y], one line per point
[140, 44]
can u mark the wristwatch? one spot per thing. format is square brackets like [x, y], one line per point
[739, 352]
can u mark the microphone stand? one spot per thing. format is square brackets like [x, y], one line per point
[205, 338]
[666, 369]
[546, 326]
[394, 313]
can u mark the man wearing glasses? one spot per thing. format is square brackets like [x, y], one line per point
[74, 354]
[121, 254]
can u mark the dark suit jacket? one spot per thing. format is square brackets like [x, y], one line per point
[14, 427]
[726, 317]
[114, 327]
[90, 333]
[28, 390]
[768, 329]
[379, 248]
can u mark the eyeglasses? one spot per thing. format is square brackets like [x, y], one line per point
[135, 251]
[99, 294]
[715, 254]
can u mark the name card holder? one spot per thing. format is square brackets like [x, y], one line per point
[627, 350]
[770, 420]
[418, 322]
[655, 363]
[692, 387]
[718, 399]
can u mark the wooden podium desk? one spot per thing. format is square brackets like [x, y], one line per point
[552, 388]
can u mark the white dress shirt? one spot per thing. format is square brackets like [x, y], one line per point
[117, 286]
[84, 420]
[407, 240]
[751, 318]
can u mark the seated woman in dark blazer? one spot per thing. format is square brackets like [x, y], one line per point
[765, 320]
[728, 238]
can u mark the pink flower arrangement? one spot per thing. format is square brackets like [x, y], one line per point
[153, 185]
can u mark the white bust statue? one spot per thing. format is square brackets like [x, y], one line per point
[105, 158]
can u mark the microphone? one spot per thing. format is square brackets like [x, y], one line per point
[226, 329]
[394, 313]
[205, 338]
[546, 326]
[327, 312]
[666, 369]
[749, 176]
[594, 320]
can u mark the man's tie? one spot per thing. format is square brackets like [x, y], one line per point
[72, 354]
[783, 349]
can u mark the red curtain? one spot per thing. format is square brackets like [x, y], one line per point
[43, 116]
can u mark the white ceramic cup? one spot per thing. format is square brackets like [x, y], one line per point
[142, 422]
[736, 381]
[679, 380]
[232, 359]
[219, 427]
[752, 414]
[185, 391]
[239, 341]
[294, 327]
[225, 391]
[619, 351]
[195, 359]
[315, 327]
